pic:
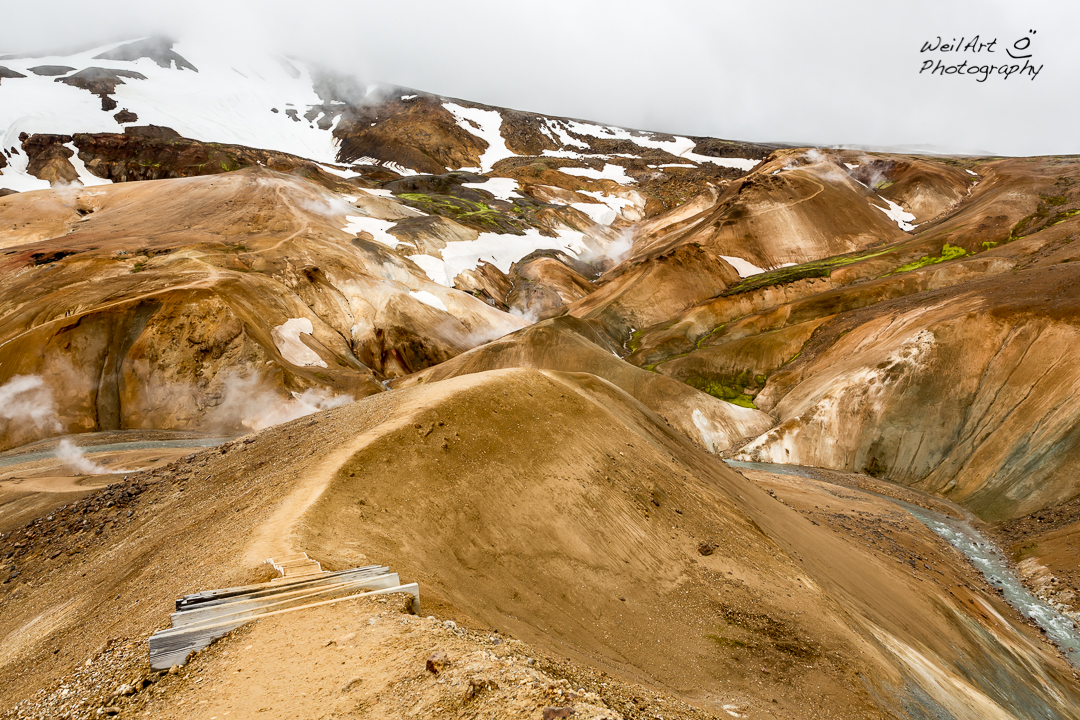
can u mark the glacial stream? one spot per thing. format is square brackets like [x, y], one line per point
[983, 555]
[115, 447]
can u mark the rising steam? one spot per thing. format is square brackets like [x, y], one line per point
[247, 402]
[71, 455]
[610, 253]
[28, 399]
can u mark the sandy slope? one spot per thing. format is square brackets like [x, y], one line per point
[554, 507]
[569, 345]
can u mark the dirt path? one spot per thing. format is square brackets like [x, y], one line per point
[277, 536]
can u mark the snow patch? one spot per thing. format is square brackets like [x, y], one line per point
[287, 340]
[614, 202]
[226, 101]
[434, 268]
[501, 188]
[971, 172]
[897, 214]
[86, 177]
[15, 176]
[599, 213]
[556, 126]
[398, 168]
[743, 267]
[339, 173]
[610, 172]
[678, 146]
[488, 127]
[746, 269]
[428, 299]
[354, 225]
[501, 250]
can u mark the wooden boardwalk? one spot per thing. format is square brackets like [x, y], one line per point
[203, 617]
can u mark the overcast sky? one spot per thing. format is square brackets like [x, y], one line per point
[835, 72]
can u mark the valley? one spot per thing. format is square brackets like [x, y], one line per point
[511, 356]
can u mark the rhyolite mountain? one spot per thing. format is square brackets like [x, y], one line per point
[550, 326]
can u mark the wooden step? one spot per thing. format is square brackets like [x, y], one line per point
[174, 646]
[202, 617]
[215, 596]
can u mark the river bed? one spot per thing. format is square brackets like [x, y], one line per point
[91, 450]
[982, 553]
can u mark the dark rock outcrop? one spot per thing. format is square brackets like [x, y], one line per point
[51, 70]
[49, 159]
[158, 49]
[101, 82]
[8, 73]
[152, 152]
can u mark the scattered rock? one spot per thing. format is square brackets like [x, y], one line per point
[551, 713]
[437, 662]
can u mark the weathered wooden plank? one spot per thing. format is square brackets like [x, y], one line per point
[172, 647]
[215, 596]
[275, 600]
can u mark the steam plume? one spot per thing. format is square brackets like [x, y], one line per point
[246, 402]
[28, 399]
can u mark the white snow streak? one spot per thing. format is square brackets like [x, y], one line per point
[897, 214]
[287, 339]
[488, 128]
[378, 228]
[501, 188]
[501, 250]
[428, 299]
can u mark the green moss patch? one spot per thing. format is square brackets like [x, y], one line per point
[729, 389]
[948, 252]
[1031, 225]
[813, 269]
[472, 213]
